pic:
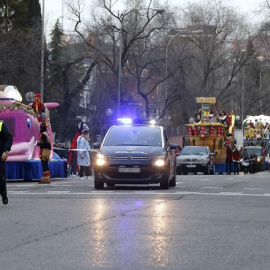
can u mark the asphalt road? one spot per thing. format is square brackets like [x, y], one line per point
[206, 223]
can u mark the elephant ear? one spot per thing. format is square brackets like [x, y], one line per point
[51, 105]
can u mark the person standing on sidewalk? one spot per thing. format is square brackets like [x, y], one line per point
[6, 141]
[83, 148]
[236, 158]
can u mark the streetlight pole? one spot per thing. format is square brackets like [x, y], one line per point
[261, 89]
[243, 90]
[42, 52]
[119, 73]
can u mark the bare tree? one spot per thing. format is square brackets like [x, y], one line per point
[119, 35]
[210, 34]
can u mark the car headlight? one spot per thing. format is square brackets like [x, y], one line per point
[159, 162]
[100, 159]
[178, 161]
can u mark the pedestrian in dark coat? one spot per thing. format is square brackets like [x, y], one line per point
[6, 141]
[252, 162]
[245, 162]
[229, 159]
[236, 158]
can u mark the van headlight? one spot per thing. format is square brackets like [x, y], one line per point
[160, 162]
[100, 159]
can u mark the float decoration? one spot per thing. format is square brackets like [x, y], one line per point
[211, 129]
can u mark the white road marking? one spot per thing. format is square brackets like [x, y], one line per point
[139, 193]
[58, 192]
[231, 193]
[211, 188]
[204, 180]
[59, 185]
[253, 188]
[25, 185]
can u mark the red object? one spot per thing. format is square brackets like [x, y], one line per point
[228, 120]
[190, 131]
[195, 131]
[73, 146]
[37, 95]
[236, 155]
[38, 106]
[202, 130]
[211, 130]
[229, 156]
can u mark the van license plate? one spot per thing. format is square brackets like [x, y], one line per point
[129, 170]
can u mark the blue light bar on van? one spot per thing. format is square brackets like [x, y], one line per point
[124, 121]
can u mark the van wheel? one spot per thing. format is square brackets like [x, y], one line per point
[98, 185]
[165, 183]
[173, 181]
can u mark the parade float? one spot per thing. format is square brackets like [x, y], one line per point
[23, 161]
[256, 136]
[209, 128]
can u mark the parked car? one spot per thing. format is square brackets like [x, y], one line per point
[135, 154]
[195, 159]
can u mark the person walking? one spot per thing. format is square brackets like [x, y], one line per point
[236, 158]
[252, 165]
[245, 162]
[45, 153]
[83, 156]
[229, 159]
[6, 140]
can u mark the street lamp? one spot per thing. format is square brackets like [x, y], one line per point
[158, 11]
[42, 52]
[261, 59]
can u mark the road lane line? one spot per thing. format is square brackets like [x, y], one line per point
[205, 180]
[253, 188]
[140, 193]
[57, 192]
[211, 188]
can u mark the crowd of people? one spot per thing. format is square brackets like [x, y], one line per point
[256, 130]
[77, 153]
[236, 158]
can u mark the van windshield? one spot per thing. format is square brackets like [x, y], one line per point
[134, 136]
[258, 152]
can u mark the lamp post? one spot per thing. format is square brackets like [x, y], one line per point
[42, 52]
[119, 73]
[261, 59]
[158, 11]
[260, 89]
[243, 90]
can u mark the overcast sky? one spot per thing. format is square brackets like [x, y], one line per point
[53, 9]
